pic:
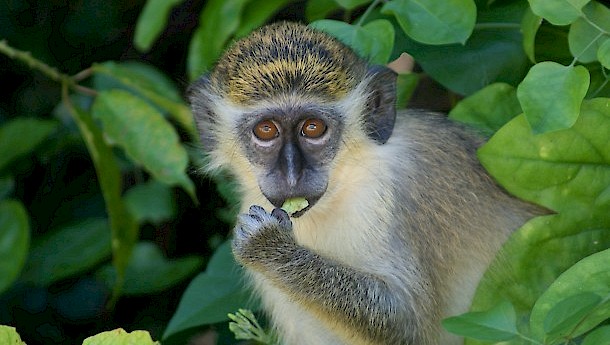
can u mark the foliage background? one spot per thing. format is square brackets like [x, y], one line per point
[104, 218]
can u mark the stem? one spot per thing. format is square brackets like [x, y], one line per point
[50, 72]
[367, 12]
[587, 47]
[597, 27]
[602, 86]
[32, 62]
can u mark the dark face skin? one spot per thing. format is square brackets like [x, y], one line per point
[293, 146]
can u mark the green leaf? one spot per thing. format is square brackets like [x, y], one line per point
[553, 243]
[599, 336]
[9, 336]
[568, 313]
[319, 9]
[585, 37]
[149, 272]
[551, 95]
[434, 22]
[148, 82]
[566, 170]
[351, 4]
[146, 136]
[603, 54]
[20, 136]
[496, 324]
[590, 276]
[405, 86]
[69, 251]
[14, 241]
[211, 295]
[529, 28]
[124, 228]
[150, 202]
[488, 109]
[120, 337]
[493, 54]
[373, 41]
[217, 24]
[151, 22]
[558, 12]
[257, 13]
[7, 186]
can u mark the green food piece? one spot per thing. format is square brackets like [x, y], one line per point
[294, 205]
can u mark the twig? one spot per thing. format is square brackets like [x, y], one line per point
[50, 72]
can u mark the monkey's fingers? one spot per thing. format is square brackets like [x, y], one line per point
[282, 217]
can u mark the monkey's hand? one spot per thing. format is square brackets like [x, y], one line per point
[259, 235]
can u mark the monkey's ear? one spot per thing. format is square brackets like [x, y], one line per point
[198, 94]
[381, 103]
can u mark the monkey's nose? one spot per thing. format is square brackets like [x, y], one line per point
[291, 164]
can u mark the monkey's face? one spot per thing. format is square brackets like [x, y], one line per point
[291, 148]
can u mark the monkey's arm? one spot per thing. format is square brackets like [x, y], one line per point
[361, 301]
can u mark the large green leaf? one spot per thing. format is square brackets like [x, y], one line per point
[150, 272]
[488, 109]
[211, 295]
[150, 202]
[145, 135]
[217, 24]
[589, 277]
[123, 227]
[68, 251]
[496, 324]
[20, 136]
[151, 22]
[493, 53]
[587, 34]
[372, 41]
[551, 95]
[120, 337]
[14, 241]
[9, 336]
[558, 12]
[434, 22]
[148, 82]
[567, 170]
[536, 255]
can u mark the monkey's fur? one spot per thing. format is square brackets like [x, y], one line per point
[403, 220]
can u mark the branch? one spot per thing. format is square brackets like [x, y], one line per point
[50, 72]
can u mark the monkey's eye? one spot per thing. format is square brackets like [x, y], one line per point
[266, 130]
[313, 128]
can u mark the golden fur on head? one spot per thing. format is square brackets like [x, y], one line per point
[287, 58]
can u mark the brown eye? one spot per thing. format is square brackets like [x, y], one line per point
[266, 130]
[313, 128]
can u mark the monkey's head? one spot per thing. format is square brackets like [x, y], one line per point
[282, 103]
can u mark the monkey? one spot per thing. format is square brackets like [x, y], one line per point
[400, 220]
